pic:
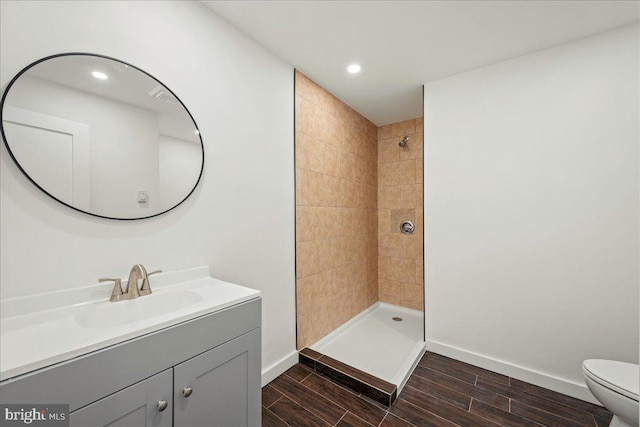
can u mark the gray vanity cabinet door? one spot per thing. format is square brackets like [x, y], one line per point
[135, 406]
[221, 387]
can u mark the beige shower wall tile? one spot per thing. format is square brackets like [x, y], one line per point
[400, 196]
[348, 166]
[344, 222]
[390, 287]
[318, 189]
[406, 127]
[366, 195]
[341, 251]
[412, 296]
[300, 179]
[420, 273]
[390, 298]
[397, 173]
[419, 170]
[389, 244]
[307, 118]
[412, 247]
[388, 151]
[310, 257]
[384, 267]
[403, 270]
[347, 193]
[384, 220]
[384, 132]
[419, 124]
[315, 155]
[413, 149]
[308, 223]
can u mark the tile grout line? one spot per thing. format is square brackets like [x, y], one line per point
[343, 415]
[273, 403]
[275, 415]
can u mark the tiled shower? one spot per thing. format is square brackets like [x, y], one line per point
[355, 185]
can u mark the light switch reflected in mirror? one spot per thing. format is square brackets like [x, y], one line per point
[101, 136]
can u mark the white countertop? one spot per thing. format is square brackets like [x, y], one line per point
[41, 330]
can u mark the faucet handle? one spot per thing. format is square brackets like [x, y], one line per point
[145, 289]
[116, 293]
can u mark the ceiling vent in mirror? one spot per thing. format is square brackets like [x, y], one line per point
[160, 92]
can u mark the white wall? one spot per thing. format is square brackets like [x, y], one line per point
[531, 211]
[239, 221]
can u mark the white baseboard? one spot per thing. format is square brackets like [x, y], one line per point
[272, 372]
[570, 388]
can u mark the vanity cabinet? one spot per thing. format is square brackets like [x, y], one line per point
[206, 369]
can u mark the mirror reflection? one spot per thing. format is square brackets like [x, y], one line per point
[102, 136]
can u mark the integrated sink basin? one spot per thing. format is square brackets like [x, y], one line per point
[41, 330]
[109, 314]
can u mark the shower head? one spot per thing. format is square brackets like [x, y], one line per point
[403, 142]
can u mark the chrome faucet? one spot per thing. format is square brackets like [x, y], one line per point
[132, 291]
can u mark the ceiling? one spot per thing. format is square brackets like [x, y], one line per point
[402, 45]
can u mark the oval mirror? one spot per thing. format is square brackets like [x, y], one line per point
[101, 136]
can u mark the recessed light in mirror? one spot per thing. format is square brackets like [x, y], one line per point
[99, 75]
[197, 132]
[353, 68]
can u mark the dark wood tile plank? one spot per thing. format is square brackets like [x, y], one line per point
[356, 384]
[295, 415]
[572, 402]
[444, 369]
[543, 417]
[571, 414]
[456, 364]
[504, 418]
[441, 392]
[392, 421]
[416, 416]
[269, 419]
[269, 395]
[461, 417]
[350, 420]
[309, 399]
[299, 372]
[464, 387]
[376, 382]
[346, 399]
[312, 354]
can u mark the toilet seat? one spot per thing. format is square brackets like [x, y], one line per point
[620, 377]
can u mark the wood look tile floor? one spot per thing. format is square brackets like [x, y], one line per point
[440, 392]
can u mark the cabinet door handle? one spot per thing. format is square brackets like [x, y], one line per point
[162, 405]
[186, 392]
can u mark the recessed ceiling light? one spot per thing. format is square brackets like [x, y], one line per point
[99, 75]
[353, 68]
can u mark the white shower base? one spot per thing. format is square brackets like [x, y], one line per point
[375, 343]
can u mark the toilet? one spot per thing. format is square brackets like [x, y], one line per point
[615, 385]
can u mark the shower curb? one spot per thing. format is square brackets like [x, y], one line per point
[359, 381]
